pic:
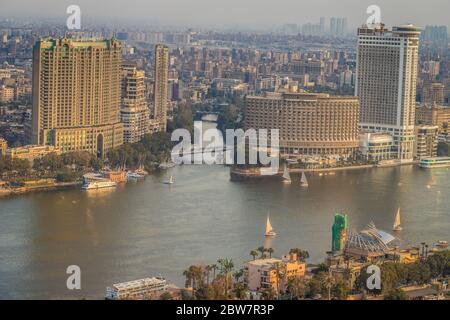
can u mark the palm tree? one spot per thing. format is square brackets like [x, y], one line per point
[302, 255]
[238, 274]
[226, 267]
[214, 268]
[261, 251]
[254, 253]
[270, 251]
[328, 282]
[280, 272]
[296, 287]
[189, 279]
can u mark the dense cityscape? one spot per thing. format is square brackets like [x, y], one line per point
[88, 115]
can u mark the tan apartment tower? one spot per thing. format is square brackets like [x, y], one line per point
[161, 75]
[386, 83]
[76, 95]
[134, 112]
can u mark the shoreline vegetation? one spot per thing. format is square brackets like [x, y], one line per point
[226, 281]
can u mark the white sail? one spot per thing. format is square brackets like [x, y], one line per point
[269, 229]
[286, 175]
[397, 221]
[303, 180]
[171, 179]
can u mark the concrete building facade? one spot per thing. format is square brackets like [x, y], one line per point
[76, 95]
[386, 83]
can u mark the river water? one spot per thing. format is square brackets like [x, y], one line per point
[149, 228]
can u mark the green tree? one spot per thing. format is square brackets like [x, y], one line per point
[396, 294]
[443, 149]
[254, 254]
[226, 266]
[261, 250]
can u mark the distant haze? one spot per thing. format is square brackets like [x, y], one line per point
[239, 13]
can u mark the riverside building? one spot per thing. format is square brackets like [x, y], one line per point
[76, 95]
[134, 112]
[309, 124]
[386, 83]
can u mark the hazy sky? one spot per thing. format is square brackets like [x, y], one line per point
[236, 12]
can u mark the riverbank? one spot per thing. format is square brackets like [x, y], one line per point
[237, 173]
[48, 186]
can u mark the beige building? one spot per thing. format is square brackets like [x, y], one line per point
[31, 152]
[433, 93]
[6, 94]
[435, 115]
[3, 147]
[262, 274]
[376, 146]
[134, 112]
[386, 83]
[76, 95]
[309, 124]
[161, 74]
[426, 141]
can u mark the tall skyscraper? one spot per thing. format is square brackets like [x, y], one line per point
[134, 112]
[161, 83]
[76, 95]
[386, 83]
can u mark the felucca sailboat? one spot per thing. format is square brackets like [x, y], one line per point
[397, 226]
[269, 229]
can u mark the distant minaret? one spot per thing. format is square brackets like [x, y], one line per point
[161, 84]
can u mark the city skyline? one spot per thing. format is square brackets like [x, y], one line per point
[260, 14]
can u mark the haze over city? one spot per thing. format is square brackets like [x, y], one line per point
[233, 150]
[233, 13]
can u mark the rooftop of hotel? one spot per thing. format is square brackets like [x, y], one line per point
[264, 262]
[303, 96]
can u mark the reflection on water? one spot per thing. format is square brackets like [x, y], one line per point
[150, 228]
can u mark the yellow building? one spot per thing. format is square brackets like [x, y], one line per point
[263, 274]
[161, 74]
[435, 115]
[3, 146]
[76, 95]
[31, 152]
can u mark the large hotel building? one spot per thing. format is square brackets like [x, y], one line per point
[77, 95]
[309, 123]
[386, 83]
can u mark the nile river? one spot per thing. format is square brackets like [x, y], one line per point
[149, 228]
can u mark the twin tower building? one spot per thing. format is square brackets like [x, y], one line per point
[84, 99]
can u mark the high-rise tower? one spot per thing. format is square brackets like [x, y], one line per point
[135, 114]
[76, 95]
[161, 75]
[386, 83]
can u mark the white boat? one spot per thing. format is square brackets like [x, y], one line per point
[441, 244]
[94, 185]
[134, 175]
[303, 180]
[166, 165]
[170, 181]
[396, 226]
[269, 229]
[286, 175]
